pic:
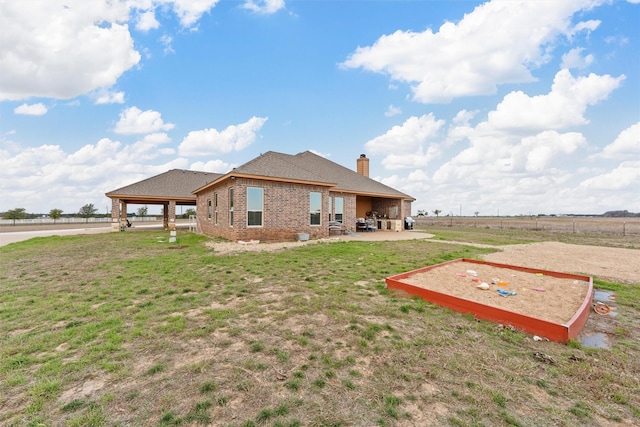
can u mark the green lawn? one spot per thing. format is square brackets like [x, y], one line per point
[125, 329]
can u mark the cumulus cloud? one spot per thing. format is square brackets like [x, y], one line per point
[63, 50]
[407, 145]
[107, 96]
[211, 141]
[264, 6]
[135, 121]
[626, 145]
[38, 109]
[408, 137]
[498, 42]
[574, 59]
[39, 176]
[392, 111]
[215, 166]
[562, 107]
[625, 176]
[540, 151]
[146, 21]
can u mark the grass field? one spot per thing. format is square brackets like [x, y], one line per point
[125, 329]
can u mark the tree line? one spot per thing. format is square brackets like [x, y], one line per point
[87, 211]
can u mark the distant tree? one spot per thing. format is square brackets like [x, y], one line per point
[87, 211]
[189, 212]
[423, 213]
[55, 214]
[476, 213]
[17, 213]
[437, 212]
[142, 212]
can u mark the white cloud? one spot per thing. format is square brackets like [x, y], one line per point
[150, 146]
[541, 150]
[408, 137]
[167, 41]
[626, 145]
[147, 21]
[135, 121]
[499, 42]
[46, 177]
[38, 109]
[190, 11]
[264, 6]
[215, 166]
[211, 141]
[563, 107]
[574, 59]
[106, 96]
[392, 111]
[94, 37]
[625, 176]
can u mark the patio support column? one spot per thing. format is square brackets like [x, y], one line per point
[123, 213]
[115, 214]
[172, 215]
[165, 216]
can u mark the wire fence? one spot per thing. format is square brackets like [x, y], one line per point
[595, 225]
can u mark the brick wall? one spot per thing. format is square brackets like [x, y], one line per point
[285, 211]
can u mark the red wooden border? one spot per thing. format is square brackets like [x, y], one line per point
[532, 325]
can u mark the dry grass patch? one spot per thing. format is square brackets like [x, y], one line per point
[118, 329]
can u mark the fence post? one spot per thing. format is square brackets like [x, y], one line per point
[624, 227]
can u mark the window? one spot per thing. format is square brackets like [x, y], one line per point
[315, 207]
[330, 209]
[215, 208]
[231, 206]
[339, 208]
[255, 199]
[209, 208]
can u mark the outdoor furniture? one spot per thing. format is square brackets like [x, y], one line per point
[361, 224]
[335, 228]
[408, 223]
[370, 225]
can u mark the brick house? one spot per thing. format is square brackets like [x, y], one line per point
[273, 197]
[277, 196]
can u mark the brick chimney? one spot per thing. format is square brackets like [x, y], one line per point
[363, 165]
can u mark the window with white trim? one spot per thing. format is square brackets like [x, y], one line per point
[339, 209]
[315, 208]
[231, 206]
[215, 208]
[255, 206]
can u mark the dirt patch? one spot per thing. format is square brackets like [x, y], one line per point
[613, 264]
[536, 295]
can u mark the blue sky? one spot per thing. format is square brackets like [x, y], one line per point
[509, 107]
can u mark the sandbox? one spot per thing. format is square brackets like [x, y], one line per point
[549, 304]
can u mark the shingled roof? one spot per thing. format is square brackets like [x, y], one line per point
[175, 184]
[311, 168]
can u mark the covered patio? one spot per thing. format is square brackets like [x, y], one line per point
[170, 189]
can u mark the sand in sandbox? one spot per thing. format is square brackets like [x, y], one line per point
[543, 297]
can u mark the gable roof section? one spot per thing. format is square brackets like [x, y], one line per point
[307, 167]
[175, 184]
